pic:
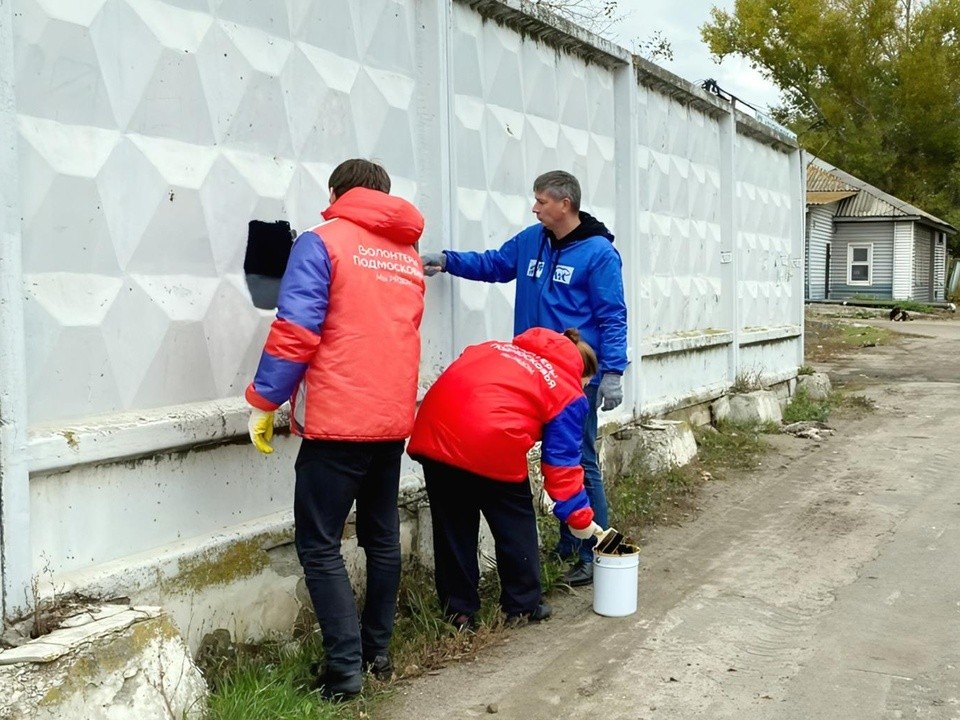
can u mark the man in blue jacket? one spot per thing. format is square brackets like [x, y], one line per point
[568, 275]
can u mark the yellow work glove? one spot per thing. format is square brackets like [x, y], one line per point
[260, 427]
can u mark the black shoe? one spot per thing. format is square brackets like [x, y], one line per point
[338, 688]
[579, 575]
[380, 667]
[542, 612]
[462, 621]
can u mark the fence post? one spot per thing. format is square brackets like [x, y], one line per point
[438, 188]
[729, 245]
[15, 552]
[798, 170]
[635, 253]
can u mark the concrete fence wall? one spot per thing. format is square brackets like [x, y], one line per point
[139, 137]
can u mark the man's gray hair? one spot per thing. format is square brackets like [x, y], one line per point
[559, 185]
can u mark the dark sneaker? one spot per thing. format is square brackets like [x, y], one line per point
[380, 667]
[338, 688]
[579, 575]
[542, 612]
[462, 621]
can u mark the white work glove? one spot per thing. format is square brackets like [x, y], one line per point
[611, 391]
[433, 263]
[588, 532]
[260, 427]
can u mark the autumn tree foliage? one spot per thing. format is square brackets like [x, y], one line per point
[872, 86]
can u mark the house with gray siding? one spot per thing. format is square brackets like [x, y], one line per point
[863, 242]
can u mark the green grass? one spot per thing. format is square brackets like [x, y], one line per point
[271, 682]
[642, 498]
[908, 305]
[731, 446]
[551, 570]
[803, 407]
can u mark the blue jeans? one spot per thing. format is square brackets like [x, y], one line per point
[592, 481]
[331, 474]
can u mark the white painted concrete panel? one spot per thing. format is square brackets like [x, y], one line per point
[764, 221]
[684, 378]
[142, 174]
[520, 109]
[679, 216]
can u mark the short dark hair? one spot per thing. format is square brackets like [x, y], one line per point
[559, 185]
[358, 173]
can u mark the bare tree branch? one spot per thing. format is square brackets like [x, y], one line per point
[597, 16]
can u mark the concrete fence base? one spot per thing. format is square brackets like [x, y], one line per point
[109, 663]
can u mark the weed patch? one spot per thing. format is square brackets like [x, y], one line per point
[730, 446]
[908, 305]
[826, 340]
[852, 405]
[642, 498]
[422, 639]
[803, 407]
[272, 682]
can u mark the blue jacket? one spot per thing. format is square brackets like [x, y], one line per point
[578, 283]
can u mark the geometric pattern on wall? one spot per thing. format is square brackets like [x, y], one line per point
[520, 109]
[150, 134]
[763, 218]
[679, 216]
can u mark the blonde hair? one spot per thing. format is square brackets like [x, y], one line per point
[589, 357]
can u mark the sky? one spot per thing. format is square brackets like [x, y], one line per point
[679, 21]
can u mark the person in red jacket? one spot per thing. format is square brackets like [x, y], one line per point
[472, 434]
[351, 296]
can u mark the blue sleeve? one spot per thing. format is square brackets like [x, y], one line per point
[305, 287]
[560, 460]
[301, 310]
[490, 266]
[563, 436]
[610, 310]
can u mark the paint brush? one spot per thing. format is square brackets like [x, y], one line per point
[609, 541]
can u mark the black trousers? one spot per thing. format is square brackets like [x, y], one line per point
[331, 475]
[457, 498]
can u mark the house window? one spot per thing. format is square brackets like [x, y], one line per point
[859, 264]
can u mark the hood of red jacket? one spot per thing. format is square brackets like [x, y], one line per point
[380, 213]
[555, 347]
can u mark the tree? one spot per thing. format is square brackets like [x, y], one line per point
[597, 16]
[868, 85]
[601, 17]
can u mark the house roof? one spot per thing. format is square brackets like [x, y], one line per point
[822, 198]
[860, 200]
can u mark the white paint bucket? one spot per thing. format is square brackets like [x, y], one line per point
[615, 579]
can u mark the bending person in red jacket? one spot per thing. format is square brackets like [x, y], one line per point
[352, 295]
[472, 434]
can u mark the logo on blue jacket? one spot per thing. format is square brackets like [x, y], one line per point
[561, 274]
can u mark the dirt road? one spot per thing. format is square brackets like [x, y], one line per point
[826, 585]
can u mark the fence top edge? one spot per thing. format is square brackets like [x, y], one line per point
[539, 24]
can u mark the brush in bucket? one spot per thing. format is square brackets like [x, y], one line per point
[616, 564]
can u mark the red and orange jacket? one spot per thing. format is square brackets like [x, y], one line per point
[486, 410]
[345, 347]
